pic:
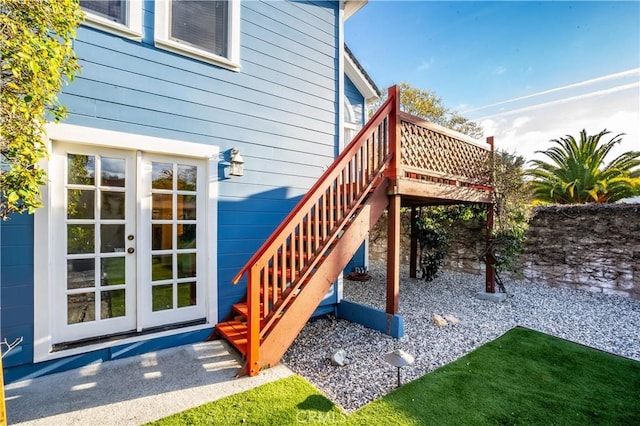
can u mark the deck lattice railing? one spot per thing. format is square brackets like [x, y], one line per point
[432, 152]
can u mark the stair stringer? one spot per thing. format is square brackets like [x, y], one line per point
[276, 343]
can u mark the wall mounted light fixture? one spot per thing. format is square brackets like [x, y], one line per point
[237, 163]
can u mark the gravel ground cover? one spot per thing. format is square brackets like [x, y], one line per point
[606, 322]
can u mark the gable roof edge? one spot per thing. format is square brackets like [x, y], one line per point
[352, 6]
[359, 77]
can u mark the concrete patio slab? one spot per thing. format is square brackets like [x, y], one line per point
[134, 390]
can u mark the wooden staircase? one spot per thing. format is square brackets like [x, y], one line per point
[290, 274]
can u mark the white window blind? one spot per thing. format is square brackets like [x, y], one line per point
[203, 24]
[113, 10]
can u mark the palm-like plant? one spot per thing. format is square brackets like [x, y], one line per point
[577, 173]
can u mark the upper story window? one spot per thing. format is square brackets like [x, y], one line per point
[122, 17]
[206, 30]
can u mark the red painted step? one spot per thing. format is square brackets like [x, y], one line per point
[236, 333]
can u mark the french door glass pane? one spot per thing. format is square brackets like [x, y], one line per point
[80, 203]
[81, 169]
[162, 297]
[162, 176]
[112, 304]
[81, 307]
[112, 238]
[186, 265]
[187, 176]
[187, 236]
[186, 294]
[113, 271]
[186, 207]
[112, 205]
[162, 206]
[161, 237]
[161, 267]
[81, 273]
[113, 172]
[80, 239]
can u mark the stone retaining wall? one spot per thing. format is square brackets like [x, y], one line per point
[590, 247]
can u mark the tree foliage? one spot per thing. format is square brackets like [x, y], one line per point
[512, 208]
[578, 173]
[429, 106]
[36, 59]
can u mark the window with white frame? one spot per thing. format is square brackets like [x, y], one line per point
[206, 30]
[122, 17]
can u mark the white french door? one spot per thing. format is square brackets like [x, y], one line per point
[126, 232]
[172, 267]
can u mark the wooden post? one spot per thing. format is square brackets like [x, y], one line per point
[253, 322]
[393, 254]
[395, 133]
[490, 261]
[413, 257]
[393, 218]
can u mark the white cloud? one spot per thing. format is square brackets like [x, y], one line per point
[500, 70]
[619, 79]
[527, 130]
[425, 65]
[526, 124]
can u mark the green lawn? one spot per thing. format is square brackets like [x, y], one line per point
[524, 377]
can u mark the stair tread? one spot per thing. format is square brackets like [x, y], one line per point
[235, 332]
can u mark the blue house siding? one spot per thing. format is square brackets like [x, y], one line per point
[355, 99]
[280, 110]
[16, 276]
[357, 102]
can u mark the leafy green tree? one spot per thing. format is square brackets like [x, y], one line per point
[512, 205]
[429, 106]
[578, 173]
[36, 59]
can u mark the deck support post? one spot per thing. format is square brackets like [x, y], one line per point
[393, 218]
[490, 261]
[413, 257]
[393, 254]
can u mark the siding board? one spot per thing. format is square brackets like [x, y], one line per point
[284, 86]
[218, 109]
[285, 34]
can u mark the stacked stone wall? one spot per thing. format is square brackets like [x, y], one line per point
[589, 247]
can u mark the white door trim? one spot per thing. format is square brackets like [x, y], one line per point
[43, 244]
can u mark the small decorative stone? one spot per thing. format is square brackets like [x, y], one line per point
[438, 320]
[339, 358]
[451, 319]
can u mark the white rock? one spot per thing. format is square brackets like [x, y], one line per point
[339, 358]
[451, 319]
[438, 320]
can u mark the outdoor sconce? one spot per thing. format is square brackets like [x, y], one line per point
[237, 163]
[398, 359]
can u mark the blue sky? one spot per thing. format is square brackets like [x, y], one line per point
[528, 71]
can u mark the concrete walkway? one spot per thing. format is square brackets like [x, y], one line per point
[134, 390]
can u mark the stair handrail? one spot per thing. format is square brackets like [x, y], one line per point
[319, 187]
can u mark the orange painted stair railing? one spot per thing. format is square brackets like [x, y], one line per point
[290, 274]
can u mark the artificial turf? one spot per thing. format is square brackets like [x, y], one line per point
[523, 377]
